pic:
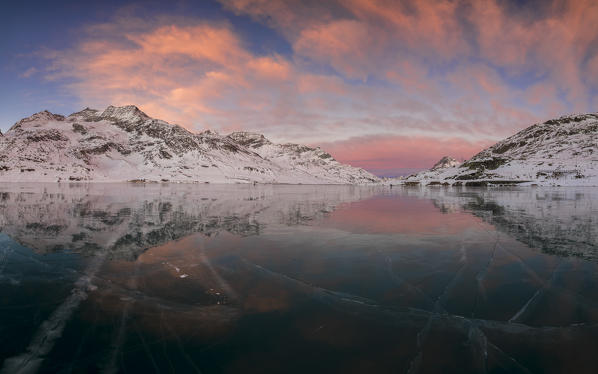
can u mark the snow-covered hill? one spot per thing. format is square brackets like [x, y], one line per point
[558, 152]
[124, 144]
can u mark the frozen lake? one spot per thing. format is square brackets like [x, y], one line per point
[283, 279]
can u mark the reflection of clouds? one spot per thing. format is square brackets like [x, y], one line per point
[401, 216]
[265, 297]
[150, 295]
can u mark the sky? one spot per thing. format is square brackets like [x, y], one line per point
[390, 86]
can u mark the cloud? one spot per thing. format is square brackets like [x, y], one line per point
[395, 154]
[202, 76]
[552, 43]
[418, 79]
[553, 46]
[196, 75]
[29, 72]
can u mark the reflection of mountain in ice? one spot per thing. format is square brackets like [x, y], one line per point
[127, 219]
[559, 221]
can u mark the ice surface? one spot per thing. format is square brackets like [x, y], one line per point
[187, 278]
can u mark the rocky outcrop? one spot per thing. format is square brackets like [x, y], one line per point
[445, 162]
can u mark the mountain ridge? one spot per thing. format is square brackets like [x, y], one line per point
[558, 152]
[125, 144]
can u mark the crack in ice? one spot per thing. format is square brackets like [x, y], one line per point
[51, 329]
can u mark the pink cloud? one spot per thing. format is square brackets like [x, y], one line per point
[185, 74]
[389, 153]
[381, 84]
[554, 45]
[400, 43]
[340, 43]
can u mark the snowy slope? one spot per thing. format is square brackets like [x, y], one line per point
[124, 144]
[301, 158]
[559, 152]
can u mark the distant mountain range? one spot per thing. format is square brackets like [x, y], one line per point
[558, 152]
[124, 144]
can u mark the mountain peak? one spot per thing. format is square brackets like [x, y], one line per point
[249, 139]
[209, 133]
[87, 112]
[127, 113]
[42, 116]
[445, 162]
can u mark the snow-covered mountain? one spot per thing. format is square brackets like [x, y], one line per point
[124, 144]
[301, 158]
[558, 152]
